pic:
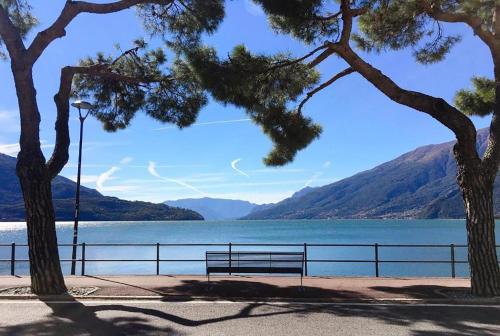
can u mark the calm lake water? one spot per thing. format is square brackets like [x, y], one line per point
[276, 231]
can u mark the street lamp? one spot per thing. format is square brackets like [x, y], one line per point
[80, 105]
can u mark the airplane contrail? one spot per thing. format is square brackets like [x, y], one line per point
[233, 165]
[105, 176]
[152, 171]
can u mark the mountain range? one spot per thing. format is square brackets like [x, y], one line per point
[418, 184]
[93, 205]
[216, 208]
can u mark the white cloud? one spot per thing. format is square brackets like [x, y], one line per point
[216, 122]
[13, 149]
[313, 179]
[126, 160]
[152, 171]
[233, 165]
[256, 197]
[86, 165]
[197, 178]
[170, 166]
[120, 188]
[9, 149]
[84, 179]
[154, 187]
[200, 179]
[105, 177]
[317, 175]
[276, 170]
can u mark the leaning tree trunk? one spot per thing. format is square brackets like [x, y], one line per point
[477, 189]
[45, 267]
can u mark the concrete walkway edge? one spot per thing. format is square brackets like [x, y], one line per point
[169, 288]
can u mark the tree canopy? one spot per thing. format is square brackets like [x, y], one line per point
[346, 29]
[264, 87]
[273, 89]
[137, 79]
[142, 79]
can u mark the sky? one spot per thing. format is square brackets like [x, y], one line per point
[221, 154]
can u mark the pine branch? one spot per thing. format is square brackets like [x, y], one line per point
[297, 60]
[329, 82]
[70, 11]
[472, 21]
[437, 108]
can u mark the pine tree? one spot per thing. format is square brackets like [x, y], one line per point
[270, 87]
[137, 79]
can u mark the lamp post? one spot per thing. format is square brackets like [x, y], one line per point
[80, 105]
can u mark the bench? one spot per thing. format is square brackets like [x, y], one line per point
[255, 262]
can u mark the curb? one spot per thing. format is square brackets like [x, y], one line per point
[408, 301]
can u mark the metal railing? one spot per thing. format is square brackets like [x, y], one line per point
[376, 260]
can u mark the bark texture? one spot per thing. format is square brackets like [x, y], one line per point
[476, 184]
[45, 267]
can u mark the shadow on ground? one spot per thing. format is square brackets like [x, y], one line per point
[421, 291]
[80, 318]
[75, 318]
[239, 288]
[232, 289]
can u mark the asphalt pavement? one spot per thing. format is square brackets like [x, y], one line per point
[128, 317]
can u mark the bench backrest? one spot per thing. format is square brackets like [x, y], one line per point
[255, 260]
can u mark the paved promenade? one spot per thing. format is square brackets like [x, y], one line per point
[241, 305]
[106, 318]
[262, 287]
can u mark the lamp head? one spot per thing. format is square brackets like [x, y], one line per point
[82, 104]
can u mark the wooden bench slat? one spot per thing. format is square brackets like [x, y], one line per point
[255, 262]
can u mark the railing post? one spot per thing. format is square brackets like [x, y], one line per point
[13, 259]
[230, 258]
[157, 258]
[376, 261]
[270, 261]
[452, 256]
[305, 258]
[83, 258]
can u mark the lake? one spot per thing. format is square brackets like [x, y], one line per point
[272, 231]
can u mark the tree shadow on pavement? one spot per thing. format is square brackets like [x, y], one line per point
[74, 318]
[71, 317]
[450, 320]
[240, 289]
[422, 291]
[231, 289]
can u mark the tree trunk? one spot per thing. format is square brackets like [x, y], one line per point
[45, 267]
[477, 188]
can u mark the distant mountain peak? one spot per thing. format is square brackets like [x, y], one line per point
[417, 184]
[215, 208]
[302, 192]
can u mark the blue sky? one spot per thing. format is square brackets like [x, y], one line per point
[221, 155]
